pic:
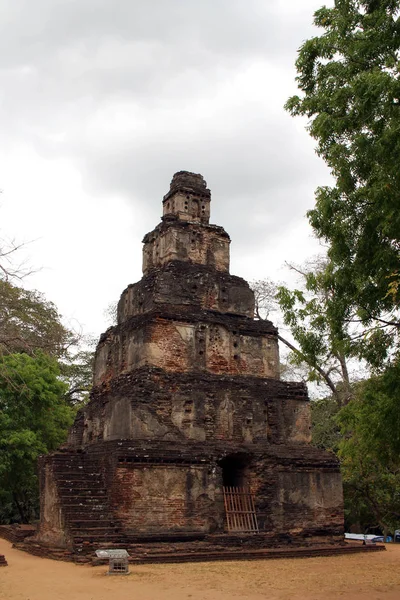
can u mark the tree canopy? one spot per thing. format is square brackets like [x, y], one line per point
[323, 343]
[370, 449]
[349, 78]
[320, 350]
[45, 373]
[29, 322]
[349, 82]
[34, 419]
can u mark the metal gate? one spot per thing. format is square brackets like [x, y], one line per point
[239, 509]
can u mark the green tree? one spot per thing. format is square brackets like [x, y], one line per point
[325, 429]
[29, 322]
[45, 373]
[349, 79]
[34, 420]
[322, 342]
[370, 449]
[77, 372]
[320, 351]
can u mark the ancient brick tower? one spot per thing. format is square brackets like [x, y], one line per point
[187, 403]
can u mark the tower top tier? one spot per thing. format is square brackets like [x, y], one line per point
[188, 198]
[184, 234]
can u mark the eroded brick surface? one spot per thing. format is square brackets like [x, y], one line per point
[186, 399]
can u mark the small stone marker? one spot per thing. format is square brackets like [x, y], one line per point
[118, 561]
[3, 562]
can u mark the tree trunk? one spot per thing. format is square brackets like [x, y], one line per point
[20, 509]
[323, 373]
[347, 394]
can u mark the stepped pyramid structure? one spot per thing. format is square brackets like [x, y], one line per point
[190, 440]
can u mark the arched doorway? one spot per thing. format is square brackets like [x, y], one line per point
[234, 470]
[240, 514]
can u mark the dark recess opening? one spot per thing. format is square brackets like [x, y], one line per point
[234, 470]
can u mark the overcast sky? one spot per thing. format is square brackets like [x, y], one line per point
[102, 101]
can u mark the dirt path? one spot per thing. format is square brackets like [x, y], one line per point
[371, 577]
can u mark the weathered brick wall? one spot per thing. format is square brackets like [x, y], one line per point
[188, 206]
[160, 487]
[75, 434]
[296, 421]
[188, 198]
[309, 501]
[191, 242]
[183, 346]
[151, 404]
[167, 498]
[187, 286]
[298, 493]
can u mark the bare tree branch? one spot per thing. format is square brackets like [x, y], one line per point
[324, 374]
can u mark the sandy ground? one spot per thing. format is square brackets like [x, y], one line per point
[373, 576]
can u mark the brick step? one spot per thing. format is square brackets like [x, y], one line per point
[81, 491]
[83, 500]
[240, 554]
[69, 494]
[83, 551]
[85, 516]
[106, 522]
[94, 529]
[79, 513]
[80, 521]
[97, 511]
[73, 457]
[135, 547]
[85, 474]
[79, 471]
[80, 483]
[79, 503]
[94, 540]
[88, 546]
[73, 460]
[183, 557]
[62, 467]
[44, 552]
[107, 544]
[77, 475]
[148, 554]
[74, 470]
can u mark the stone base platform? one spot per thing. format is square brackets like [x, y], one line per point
[16, 533]
[260, 554]
[201, 550]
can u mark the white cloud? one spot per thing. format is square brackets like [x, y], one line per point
[103, 101]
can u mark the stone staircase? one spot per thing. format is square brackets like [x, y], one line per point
[84, 501]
